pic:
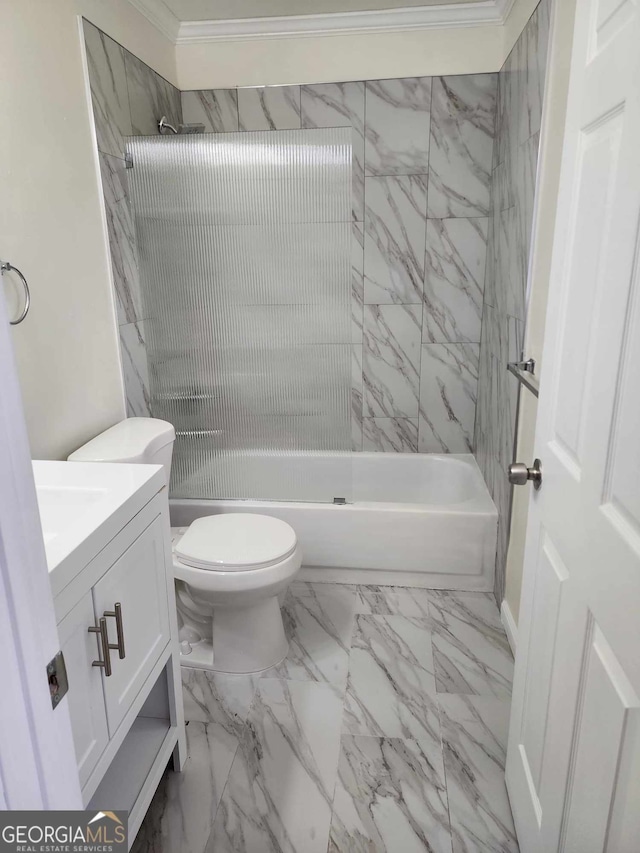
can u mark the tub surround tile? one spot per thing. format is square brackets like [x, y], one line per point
[122, 240]
[394, 241]
[182, 812]
[474, 735]
[269, 108]
[109, 94]
[398, 116]
[518, 117]
[357, 282]
[385, 434]
[391, 687]
[391, 360]
[217, 109]
[339, 105]
[150, 98]
[292, 734]
[454, 280]
[356, 397]
[133, 352]
[319, 627]
[448, 392]
[531, 80]
[470, 649]
[461, 148]
[390, 796]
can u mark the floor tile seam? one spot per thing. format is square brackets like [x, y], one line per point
[224, 790]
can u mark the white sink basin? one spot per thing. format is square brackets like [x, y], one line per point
[83, 505]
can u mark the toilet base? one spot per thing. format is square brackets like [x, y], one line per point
[244, 640]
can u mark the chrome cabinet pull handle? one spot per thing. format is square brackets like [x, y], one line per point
[104, 655]
[6, 266]
[117, 615]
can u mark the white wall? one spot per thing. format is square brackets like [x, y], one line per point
[339, 58]
[120, 20]
[548, 181]
[52, 217]
[272, 62]
[51, 226]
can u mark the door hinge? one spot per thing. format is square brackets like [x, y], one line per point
[58, 681]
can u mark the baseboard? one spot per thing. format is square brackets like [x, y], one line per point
[509, 624]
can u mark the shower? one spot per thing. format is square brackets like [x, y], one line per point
[245, 267]
[165, 127]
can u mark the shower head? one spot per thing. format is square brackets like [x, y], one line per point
[165, 127]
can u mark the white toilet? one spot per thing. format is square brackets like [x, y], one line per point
[229, 568]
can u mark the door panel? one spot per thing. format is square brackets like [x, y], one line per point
[138, 581]
[86, 698]
[606, 701]
[573, 762]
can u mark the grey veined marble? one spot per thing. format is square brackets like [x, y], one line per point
[461, 151]
[122, 240]
[150, 98]
[391, 687]
[339, 105]
[269, 108]
[279, 792]
[448, 393]
[109, 95]
[397, 126]
[394, 240]
[470, 648]
[390, 797]
[133, 352]
[454, 280]
[216, 109]
[391, 360]
[474, 735]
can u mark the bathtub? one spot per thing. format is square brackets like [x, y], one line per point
[421, 520]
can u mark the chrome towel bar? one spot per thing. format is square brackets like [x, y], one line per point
[524, 373]
[6, 266]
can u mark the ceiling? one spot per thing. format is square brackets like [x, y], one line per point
[210, 10]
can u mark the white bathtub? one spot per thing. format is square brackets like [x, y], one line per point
[416, 520]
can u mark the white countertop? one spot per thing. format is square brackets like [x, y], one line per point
[83, 505]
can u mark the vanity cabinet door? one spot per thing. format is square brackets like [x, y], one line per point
[138, 582]
[86, 697]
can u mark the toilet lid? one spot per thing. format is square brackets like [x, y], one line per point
[236, 542]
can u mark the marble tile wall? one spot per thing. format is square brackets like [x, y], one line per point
[128, 100]
[422, 210]
[515, 157]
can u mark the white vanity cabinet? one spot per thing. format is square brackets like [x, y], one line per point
[115, 607]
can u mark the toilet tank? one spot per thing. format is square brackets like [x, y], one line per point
[143, 440]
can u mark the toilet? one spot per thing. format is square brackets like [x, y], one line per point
[231, 569]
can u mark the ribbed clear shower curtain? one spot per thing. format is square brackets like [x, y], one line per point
[244, 243]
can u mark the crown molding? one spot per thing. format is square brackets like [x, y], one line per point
[479, 14]
[485, 13]
[160, 15]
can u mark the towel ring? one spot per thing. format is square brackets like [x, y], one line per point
[5, 266]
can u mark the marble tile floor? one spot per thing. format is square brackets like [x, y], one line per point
[385, 729]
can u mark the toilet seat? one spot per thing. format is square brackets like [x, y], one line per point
[236, 542]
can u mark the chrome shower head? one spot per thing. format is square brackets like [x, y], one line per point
[165, 127]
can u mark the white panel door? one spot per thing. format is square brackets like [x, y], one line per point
[138, 582]
[86, 697]
[573, 763]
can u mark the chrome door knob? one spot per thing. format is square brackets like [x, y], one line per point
[520, 475]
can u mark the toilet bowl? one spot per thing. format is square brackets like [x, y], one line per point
[230, 570]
